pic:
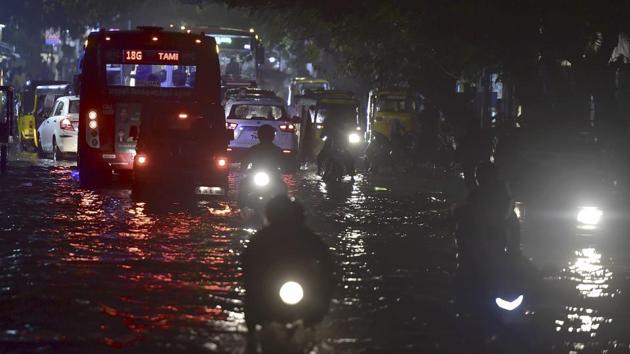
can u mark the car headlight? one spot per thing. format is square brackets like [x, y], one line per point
[354, 138]
[291, 293]
[261, 179]
[590, 216]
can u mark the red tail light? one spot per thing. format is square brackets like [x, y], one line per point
[231, 125]
[66, 124]
[222, 162]
[182, 116]
[287, 128]
[141, 159]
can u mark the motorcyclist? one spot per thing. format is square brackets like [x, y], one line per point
[336, 132]
[475, 147]
[284, 244]
[488, 241]
[265, 153]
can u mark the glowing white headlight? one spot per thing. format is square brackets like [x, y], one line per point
[354, 138]
[261, 179]
[589, 215]
[509, 305]
[291, 293]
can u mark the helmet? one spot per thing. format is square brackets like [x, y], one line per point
[266, 133]
[282, 209]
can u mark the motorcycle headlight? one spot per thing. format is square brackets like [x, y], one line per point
[354, 138]
[509, 305]
[261, 179]
[589, 216]
[291, 293]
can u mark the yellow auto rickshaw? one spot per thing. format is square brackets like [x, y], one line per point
[36, 105]
[315, 108]
[391, 109]
[300, 86]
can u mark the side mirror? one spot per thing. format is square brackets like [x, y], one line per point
[230, 134]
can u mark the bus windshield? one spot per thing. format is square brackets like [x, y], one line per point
[237, 57]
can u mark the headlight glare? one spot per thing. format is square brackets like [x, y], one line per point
[354, 138]
[590, 216]
[291, 293]
[261, 179]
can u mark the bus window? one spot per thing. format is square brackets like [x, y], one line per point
[148, 75]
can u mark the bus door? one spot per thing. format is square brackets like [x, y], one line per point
[127, 127]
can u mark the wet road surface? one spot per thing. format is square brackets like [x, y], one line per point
[94, 271]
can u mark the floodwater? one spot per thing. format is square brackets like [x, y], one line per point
[93, 271]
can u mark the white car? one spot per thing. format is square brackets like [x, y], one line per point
[58, 133]
[246, 115]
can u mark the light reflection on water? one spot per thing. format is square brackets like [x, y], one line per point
[592, 281]
[591, 276]
[127, 273]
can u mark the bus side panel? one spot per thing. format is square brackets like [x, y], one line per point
[92, 167]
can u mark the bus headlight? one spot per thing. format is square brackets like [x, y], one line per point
[291, 293]
[590, 216]
[261, 179]
[354, 138]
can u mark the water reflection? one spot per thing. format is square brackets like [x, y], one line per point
[591, 276]
[591, 280]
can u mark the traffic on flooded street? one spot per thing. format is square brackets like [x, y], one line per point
[298, 177]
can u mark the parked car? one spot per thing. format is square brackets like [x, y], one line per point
[58, 133]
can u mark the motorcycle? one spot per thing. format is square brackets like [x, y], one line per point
[403, 152]
[294, 302]
[288, 334]
[399, 151]
[259, 185]
[339, 157]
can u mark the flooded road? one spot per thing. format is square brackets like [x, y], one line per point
[94, 271]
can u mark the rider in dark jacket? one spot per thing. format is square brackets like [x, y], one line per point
[336, 132]
[285, 245]
[488, 236]
[266, 152]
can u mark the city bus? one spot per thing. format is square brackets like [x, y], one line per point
[240, 55]
[150, 103]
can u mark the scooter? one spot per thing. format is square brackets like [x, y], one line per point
[295, 306]
[259, 185]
